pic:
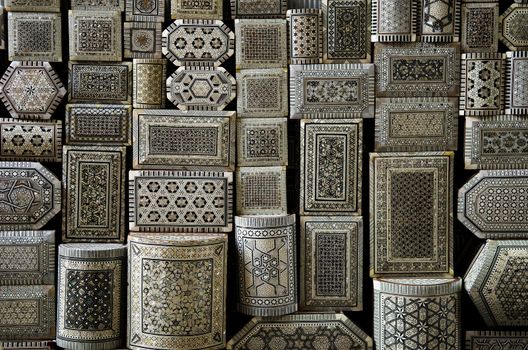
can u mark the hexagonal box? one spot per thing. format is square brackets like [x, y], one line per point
[497, 282]
[31, 90]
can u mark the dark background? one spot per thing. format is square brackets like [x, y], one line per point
[466, 244]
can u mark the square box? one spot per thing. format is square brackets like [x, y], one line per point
[261, 191]
[34, 36]
[262, 142]
[261, 43]
[95, 35]
[262, 92]
[142, 39]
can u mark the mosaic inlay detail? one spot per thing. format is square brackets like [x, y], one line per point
[482, 88]
[88, 124]
[480, 27]
[495, 282]
[100, 83]
[34, 36]
[417, 69]
[201, 88]
[30, 195]
[491, 204]
[27, 312]
[346, 31]
[30, 140]
[27, 257]
[261, 44]
[177, 291]
[262, 93]
[331, 159]
[184, 139]
[301, 331]
[198, 42]
[262, 142]
[266, 265]
[411, 213]
[331, 263]
[416, 124]
[415, 314]
[261, 190]
[31, 90]
[93, 180]
[332, 90]
[496, 142]
[95, 35]
[186, 201]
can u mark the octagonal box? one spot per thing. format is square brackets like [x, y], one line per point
[497, 282]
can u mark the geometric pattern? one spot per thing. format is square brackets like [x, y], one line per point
[31, 90]
[417, 69]
[91, 295]
[142, 39]
[261, 43]
[198, 42]
[499, 142]
[411, 213]
[417, 313]
[262, 93]
[480, 27]
[34, 36]
[439, 20]
[30, 195]
[203, 9]
[27, 345]
[258, 9]
[331, 263]
[180, 201]
[107, 124]
[267, 265]
[94, 203]
[95, 35]
[177, 291]
[261, 190]
[262, 142]
[331, 167]
[27, 312]
[416, 124]
[27, 257]
[306, 37]
[145, 10]
[172, 139]
[346, 31]
[301, 331]
[33, 5]
[149, 83]
[394, 20]
[201, 88]
[482, 84]
[485, 340]
[517, 82]
[332, 91]
[100, 82]
[30, 140]
[496, 282]
[514, 30]
[98, 5]
[480, 198]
